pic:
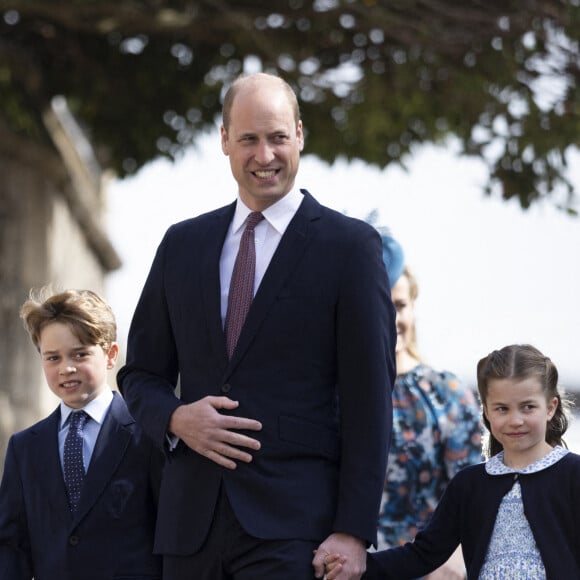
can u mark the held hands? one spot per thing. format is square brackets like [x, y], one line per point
[340, 557]
[204, 429]
[453, 569]
[333, 566]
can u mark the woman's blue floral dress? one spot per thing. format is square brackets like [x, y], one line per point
[436, 432]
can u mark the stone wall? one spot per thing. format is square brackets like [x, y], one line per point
[50, 233]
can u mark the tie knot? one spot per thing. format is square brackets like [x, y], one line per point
[77, 419]
[253, 220]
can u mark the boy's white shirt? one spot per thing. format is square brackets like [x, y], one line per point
[97, 410]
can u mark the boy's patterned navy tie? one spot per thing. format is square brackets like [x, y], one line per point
[74, 470]
[242, 284]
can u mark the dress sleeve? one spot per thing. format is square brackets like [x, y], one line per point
[461, 430]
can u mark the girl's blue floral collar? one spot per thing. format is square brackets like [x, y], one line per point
[496, 466]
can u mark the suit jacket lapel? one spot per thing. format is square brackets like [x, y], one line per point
[110, 448]
[47, 465]
[292, 246]
[210, 271]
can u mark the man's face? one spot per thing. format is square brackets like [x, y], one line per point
[263, 142]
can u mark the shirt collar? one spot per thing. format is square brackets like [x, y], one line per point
[278, 215]
[495, 465]
[95, 409]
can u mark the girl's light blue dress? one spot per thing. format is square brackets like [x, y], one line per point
[512, 553]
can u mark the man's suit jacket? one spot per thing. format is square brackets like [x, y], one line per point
[314, 364]
[111, 534]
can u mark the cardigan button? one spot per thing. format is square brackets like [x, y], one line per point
[226, 388]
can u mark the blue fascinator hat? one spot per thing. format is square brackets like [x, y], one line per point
[393, 256]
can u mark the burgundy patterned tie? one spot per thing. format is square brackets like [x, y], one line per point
[242, 284]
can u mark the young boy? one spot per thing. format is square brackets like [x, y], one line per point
[79, 491]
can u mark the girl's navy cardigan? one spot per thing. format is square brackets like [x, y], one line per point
[466, 515]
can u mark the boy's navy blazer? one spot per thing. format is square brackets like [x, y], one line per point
[314, 364]
[111, 534]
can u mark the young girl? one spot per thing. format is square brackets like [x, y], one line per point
[518, 514]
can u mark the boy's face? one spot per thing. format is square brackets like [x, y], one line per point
[75, 372]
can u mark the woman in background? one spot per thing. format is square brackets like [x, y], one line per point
[436, 427]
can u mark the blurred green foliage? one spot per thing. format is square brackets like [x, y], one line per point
[375, 77]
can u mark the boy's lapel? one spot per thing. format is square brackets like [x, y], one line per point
[47, 467]
[111, 445]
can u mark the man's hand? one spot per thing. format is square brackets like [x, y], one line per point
[353, 556]
[202, 428]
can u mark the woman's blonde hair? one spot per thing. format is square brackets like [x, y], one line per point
[413, 293]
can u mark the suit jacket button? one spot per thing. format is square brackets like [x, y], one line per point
[226, 388]
[73, 540]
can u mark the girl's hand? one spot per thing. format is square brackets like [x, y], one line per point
[333, 565]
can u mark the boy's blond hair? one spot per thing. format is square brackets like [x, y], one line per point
[89, 317]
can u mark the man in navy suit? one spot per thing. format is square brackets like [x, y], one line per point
[278, 449]
[48, 531]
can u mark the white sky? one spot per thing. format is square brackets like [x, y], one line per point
[489, 273]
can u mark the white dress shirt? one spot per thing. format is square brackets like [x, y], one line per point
[97, 411]
[267, 236]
